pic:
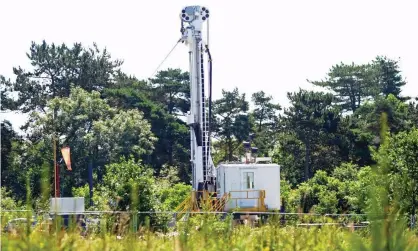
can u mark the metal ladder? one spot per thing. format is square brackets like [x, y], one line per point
[205, 122]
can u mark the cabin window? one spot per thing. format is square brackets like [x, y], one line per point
[249, 180]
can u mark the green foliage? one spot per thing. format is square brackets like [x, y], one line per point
[265, 112]
[386, 226]
[172, 89]
[231, 123]
[313, 121]
[341, 192]
[92, 128]
[11, 143]
[173, 137]
[133, 131]
[208, 232]
[212, 236]
[5, 89]
[152, 193]
[367, 116]
[402, 154]
[82, 191]
[172, 195]
[118, 183]
[289, 152]
[352, 84]
[364, 125]
[7, 201]
[266, 122]
[389, 77]
[56, 68]
[413, 112]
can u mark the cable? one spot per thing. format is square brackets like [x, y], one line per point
[210, 86]
[116, 117]
[162, 62]
[165, 58]
[209, 130]
[147, 80]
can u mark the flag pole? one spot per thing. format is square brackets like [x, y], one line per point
[55, 166]
[54, 141]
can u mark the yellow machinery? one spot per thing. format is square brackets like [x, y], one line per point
[204, 201]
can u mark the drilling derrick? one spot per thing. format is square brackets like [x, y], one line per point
[250, 185]
[203, 170]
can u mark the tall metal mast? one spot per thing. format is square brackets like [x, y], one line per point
[202, 165]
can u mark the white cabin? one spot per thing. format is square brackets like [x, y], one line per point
[249, 185]
[67, 205]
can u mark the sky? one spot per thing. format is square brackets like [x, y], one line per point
[274, 46]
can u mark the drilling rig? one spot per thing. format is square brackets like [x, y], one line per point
[203, 170]
[230, 185]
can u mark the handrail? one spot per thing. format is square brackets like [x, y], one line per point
[261, 193]
[260, 205]
[209, 202]
[221, 203]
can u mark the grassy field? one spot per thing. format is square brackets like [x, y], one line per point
[204, 232]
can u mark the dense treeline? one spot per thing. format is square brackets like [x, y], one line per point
[131, 132]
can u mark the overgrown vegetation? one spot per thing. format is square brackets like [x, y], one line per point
[387, 230]
[130, 148]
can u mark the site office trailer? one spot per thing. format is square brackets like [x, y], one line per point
[246, 180]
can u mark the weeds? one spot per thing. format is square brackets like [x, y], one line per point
[388, 229]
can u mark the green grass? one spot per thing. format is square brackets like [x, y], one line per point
[211, 235]
[206, 232]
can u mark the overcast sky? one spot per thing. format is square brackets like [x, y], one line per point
[256, 45]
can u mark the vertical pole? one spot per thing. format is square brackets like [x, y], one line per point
[55, 166]
[56, 174]
[58, 181]
[54, 148]
[56, 170]
[91, 180]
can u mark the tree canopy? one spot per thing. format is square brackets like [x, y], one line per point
[132, 133]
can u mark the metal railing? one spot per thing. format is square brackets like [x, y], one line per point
[120, 221]
[258, 206]
[208, 201]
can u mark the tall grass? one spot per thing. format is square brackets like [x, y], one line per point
[388, 231]
[200, 233]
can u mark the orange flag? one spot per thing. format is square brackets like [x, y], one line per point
[66, 154]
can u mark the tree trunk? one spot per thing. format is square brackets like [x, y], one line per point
[307, 153]
[414, 199]
[230, 150]
[170, 146]
[260, 123]
[170, 104]
[90, 171]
